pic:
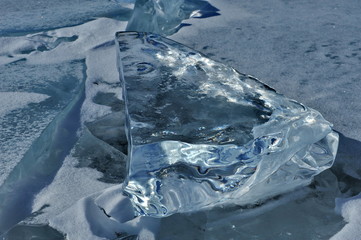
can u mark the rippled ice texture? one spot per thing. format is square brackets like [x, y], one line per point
[202, 134]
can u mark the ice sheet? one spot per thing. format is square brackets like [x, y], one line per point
[41, 70]
[56, 63]
[14, 100]
[22, 126]
[22, 16]
[308, 50]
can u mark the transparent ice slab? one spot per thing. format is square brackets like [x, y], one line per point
[201, 134]
[280, 218]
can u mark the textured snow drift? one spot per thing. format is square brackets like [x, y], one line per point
[87, 219]
[351, 212]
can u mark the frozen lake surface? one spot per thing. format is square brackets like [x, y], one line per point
[62, 141]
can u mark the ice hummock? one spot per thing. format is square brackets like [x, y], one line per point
[201, 134]
[165, 17]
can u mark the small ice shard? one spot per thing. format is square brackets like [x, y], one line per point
[166, 16]
[201, 134]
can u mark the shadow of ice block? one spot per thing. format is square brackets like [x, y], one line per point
[201, 134]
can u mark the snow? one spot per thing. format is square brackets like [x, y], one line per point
[48, 60]
[56, 52]
[101, 68]
[351, 212]
[22, 126]
[21, 16]
[14, 100]
[69, 185]
[64, 44]
[86, 219]
[9, 102]
[72, 183]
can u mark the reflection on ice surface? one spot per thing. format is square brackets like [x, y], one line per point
[201, 134]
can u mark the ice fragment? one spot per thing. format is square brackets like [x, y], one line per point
[201, 134]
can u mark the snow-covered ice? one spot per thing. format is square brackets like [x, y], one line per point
[58, 64]
[55, 85]
[14, 100]
[22, 16]
[351, 212]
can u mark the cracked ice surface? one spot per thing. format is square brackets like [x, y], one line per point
[202, 134]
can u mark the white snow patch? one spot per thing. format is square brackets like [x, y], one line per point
[64, 44]
[15, 100]
[69, 185]
[104, 215]
[93, 41]
[90, 35]
[351, 212]
[102, 76]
